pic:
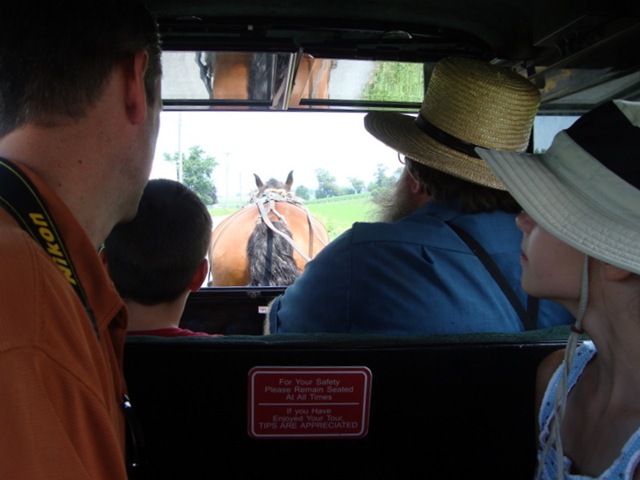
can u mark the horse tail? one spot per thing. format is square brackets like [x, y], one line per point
[270, 255]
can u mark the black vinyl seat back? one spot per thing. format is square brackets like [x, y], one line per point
[440, 407]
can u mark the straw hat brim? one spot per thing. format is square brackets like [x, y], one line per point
[400, 132]
[569, 209]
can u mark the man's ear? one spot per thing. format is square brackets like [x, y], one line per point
[416, 186]
[199, 276]
[135, 92]
[103, 257]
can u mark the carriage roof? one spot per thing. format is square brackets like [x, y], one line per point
[578, 53]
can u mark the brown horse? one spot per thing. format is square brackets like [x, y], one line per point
[258, 76]
[268, 242]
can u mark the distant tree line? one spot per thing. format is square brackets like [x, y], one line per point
[195, 170]
[328, 186]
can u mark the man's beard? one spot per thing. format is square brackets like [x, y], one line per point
[395, 203]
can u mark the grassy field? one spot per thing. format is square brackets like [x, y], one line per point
[336, 213]
[340, 213]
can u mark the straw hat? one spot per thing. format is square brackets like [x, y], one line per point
[468, 103]
[585, 189]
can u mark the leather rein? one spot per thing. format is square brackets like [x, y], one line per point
[266, 204]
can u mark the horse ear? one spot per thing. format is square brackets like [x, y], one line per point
[289, 181]
[259, 183]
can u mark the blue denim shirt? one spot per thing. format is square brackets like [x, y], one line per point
[413, 276]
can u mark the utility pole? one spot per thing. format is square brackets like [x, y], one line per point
[179, 173]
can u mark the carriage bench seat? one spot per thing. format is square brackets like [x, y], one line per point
[447, 406]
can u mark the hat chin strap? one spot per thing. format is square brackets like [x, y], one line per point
[560, 399]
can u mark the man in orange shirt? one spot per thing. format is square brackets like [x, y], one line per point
[79, 117]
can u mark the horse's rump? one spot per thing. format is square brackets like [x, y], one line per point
[268, 242]
[228, 254]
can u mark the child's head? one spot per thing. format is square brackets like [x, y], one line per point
[153, 258]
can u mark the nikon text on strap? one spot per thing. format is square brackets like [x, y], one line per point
[20, 198]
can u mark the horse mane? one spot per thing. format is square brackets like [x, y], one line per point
[271, 261]
[262, 81]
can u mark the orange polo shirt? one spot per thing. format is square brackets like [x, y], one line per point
[61, 388]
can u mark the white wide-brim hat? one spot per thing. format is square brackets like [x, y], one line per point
[468, 103]
[585, 189]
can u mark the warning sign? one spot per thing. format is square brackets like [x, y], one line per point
[309, 402]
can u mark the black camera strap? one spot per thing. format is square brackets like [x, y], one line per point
[21, 198]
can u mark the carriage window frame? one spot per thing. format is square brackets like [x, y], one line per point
[242, 309]
[233, 175]
[288, 77]
[554, 116]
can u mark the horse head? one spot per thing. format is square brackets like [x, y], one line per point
[273, 185]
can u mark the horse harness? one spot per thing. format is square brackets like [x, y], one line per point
[266, 204]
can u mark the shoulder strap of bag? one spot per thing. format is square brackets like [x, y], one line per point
[528, 316]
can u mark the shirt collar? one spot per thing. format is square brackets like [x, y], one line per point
[433, 208]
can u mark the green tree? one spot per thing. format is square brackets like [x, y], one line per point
[303, 192]
[194, 170]
[382, 182]
[393, 81]
[356, 184]
[327, 186]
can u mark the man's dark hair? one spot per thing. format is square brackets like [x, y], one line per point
[471, 197]
[55, 57]
[152, 258]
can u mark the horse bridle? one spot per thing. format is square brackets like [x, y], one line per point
[266, 204]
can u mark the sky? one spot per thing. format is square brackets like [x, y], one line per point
[271, 144]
